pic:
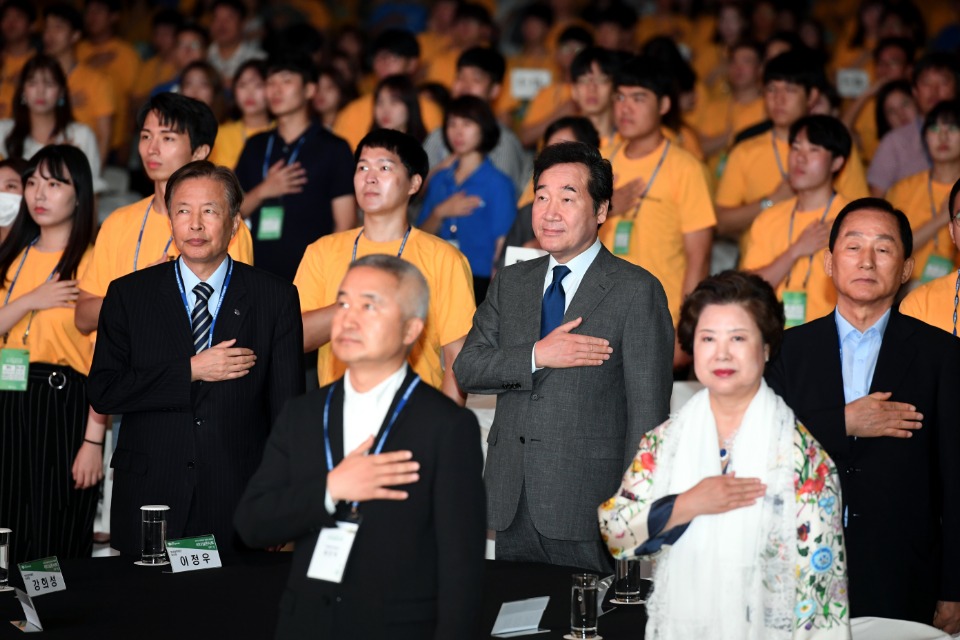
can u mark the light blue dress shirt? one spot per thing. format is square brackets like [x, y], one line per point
[190, 280]
[858, 355]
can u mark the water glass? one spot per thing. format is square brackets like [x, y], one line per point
[5, 559]
[153, 534]
[583, 606]
[628, 581]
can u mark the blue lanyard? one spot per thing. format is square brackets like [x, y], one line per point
[776, 154]
[399, 253]
[33, 313]
[136, 253]
[386, 431]
[793, 215]
[653, 177]
[223, 291]
[290, 160]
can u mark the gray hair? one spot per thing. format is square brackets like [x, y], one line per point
[416, 303]
[205, 169]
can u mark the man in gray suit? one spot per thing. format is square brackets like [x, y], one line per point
[578, 345]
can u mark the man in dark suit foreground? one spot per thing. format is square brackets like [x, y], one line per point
[578, 347]
[199, 355]
[414, 570]
[884, 406]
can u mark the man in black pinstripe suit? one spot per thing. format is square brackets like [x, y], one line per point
[199, 355]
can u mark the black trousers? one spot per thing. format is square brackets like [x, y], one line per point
[41, 430]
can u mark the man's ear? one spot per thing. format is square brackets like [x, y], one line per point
[828, 263]
[908, 266]
[415, 183]
[665, 104]
[813, 96]
[495, 90]
[412, 329]
[602, 211]
[201, 152]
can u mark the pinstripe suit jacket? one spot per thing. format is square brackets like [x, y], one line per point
[565, 436]
[190, 445]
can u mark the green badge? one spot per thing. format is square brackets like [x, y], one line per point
[14, 368]
[271, 223]
[936, 267]
[621, 237]
[795, 308]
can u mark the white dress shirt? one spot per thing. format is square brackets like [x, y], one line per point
[578, 268]
[364, 413]
[190, 280]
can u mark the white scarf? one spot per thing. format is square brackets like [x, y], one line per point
[730, 576]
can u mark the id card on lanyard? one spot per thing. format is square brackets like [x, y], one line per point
[795, 300]
[15, 363]
[937, 265]
[270, 225]
[334, 544]
[623, 234]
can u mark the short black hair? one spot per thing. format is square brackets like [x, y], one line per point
[641, 71]
[906, 45]
[935, 61]
[583, 130]
[113, 6]
[875, 204]
[294, 62]
[618, 13]
[67, 13]
[487, 59]
[235, 5]
[473, 11]
[412, 156]
[599, 170]
[399, 42]
[193, 27]
[476, 109]
[24, 7]
[880, 115]
[168, 17]
[748, 290]
[583, 62]
[751, 45]
[793, 67]
[575, 34]
[945, 112]
[824, 131]
[537, 11]
[183, 115]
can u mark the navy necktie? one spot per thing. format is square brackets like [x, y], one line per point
[200, 318]
[554, 301]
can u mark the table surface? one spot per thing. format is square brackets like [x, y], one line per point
[112, 598]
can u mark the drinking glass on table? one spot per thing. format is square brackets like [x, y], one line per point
[153, 534]
[583, 606]
[5, 559]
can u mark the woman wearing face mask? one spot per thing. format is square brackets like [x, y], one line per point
[42, 115]
[11, 193]
[52, 441]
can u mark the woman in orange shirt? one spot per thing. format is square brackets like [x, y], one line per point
[52, 448]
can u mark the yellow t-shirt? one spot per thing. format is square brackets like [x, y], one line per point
[443, 68]
[116, 247]
[432, 44]
[933, 302]
[911, 195]
[9, 77]
[354, 120]
[91, 95]
[446, 270]
[724, 113]
[866, 127]
[54, 337]
[154, 71]
[752, 172]
[672, 25]
[769, 237]
[231, 138]
[119, 61]
[677, 203]
[543, 104]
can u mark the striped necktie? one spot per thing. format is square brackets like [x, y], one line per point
[201, 319]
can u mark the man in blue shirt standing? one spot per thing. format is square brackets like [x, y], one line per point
[878, 390]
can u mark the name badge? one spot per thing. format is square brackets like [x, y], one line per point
[455, 243]
[621, 237]
[193, 554]
[332, 552]
[14, 369]
[936, 267]
[525, 84]
[852, 83]
[42, 576]
[271, 223]
[795, 308]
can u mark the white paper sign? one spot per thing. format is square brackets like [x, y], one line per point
[193, 554]
[514, 255]
[852, 83]
[332, 552]
[527, 83]
[521, 617]
[42, 576]
[32, 623]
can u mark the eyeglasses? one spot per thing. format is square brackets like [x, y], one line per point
[946, 128]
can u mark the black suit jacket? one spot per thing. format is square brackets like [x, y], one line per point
[415, 570]
[190, 445]
[902, 495]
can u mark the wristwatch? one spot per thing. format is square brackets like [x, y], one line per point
[765, 204]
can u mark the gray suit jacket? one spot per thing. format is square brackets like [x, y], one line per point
[566, 436]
